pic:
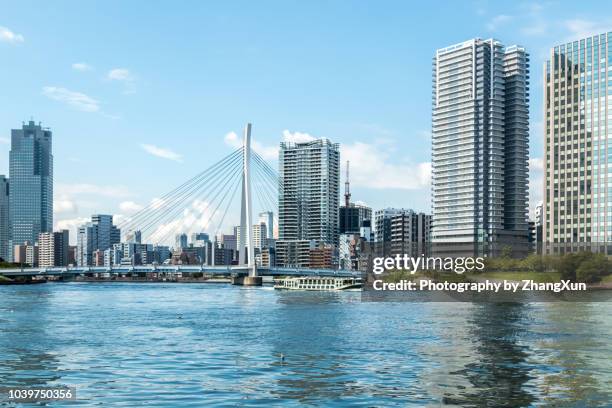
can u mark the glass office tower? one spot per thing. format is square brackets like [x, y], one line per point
[577, 210]
[480, 136]
[31, 188]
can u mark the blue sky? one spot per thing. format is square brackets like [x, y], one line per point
[141, 96]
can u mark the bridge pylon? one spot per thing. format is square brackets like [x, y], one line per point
[246, 249]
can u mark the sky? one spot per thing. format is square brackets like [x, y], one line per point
[141, 96]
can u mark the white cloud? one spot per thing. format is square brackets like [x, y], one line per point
[197, 217]
[9, 36]
[129, 206]
[296, 137]
[266, 152]
[162, 152]
[77, 100]
[5, 140]
[123, 75]
[71, 224]
[81, 66]
[64, 205]
[116, 191]
[371, 167]
[119, 74]
[498, 21]
[231, 139]
[536, 164]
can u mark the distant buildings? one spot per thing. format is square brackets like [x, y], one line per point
[382, 223]
[99, 234]
[31, 188]
[26, 254]
[4, 219]
[410, 234]
[402, 231]
[308, 200]
[352, 218]
[181, 241]
[293, 253]
[267, 217]
[480, 148]
[323, 257]
[351, 215]
[260, 235]
[576, 213]
[53, 248]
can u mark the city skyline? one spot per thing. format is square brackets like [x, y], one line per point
[87, 97]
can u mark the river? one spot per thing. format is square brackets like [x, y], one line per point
[184, 345]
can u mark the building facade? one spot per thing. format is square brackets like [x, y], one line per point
[308, 199]
[351, 218]
[31, 175]
[4, 218]
[480, 136]
[260, 235]
[46, 250]
[410, 233]
[577, 206]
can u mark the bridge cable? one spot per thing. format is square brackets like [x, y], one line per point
[176, 194]
[171, 211]
[217, 188]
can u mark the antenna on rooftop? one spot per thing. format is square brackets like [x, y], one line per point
[347, 187]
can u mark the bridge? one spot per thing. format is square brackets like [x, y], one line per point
[202, 203]
[171, 271]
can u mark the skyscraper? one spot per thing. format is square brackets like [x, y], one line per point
[31, 175]
[577, 206]
[308, 200]
[4, 218]
[480, 137]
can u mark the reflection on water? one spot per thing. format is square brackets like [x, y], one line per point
[188, 345]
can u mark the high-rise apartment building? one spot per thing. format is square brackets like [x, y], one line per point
[31, 175]
[4, 218]
[99, 234]
[308, 200]
[382, 223]
[46, 249]
[577, 206]
[480, 137]
[260, 235]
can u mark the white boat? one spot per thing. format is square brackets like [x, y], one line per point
[318, 283]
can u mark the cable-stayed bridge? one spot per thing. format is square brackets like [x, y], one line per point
[202, 203]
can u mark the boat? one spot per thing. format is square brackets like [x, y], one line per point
[318, 283]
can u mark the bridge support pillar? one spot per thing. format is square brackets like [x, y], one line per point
[247, 280]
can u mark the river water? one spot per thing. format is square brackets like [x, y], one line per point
[180, 345]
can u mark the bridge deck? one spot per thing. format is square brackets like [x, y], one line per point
[173, 270]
